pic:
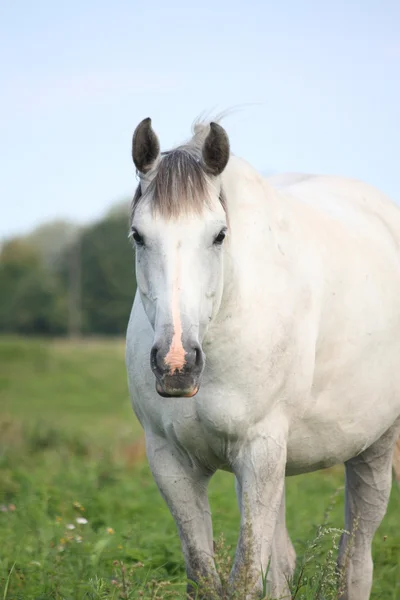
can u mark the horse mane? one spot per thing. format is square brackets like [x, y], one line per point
[178, 182]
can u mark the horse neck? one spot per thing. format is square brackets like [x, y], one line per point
[255, 215]
[249, 194]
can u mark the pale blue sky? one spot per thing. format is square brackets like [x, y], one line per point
[76, 78]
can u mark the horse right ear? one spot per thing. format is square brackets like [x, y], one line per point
[145, 146]
[215, 150]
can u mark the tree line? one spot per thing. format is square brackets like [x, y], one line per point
[67, 280]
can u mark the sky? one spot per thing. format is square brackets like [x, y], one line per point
[318, 82]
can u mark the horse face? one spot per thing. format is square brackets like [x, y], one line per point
[179, 227]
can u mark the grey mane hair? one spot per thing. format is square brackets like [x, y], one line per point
[179, 184]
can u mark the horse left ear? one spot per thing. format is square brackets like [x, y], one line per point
[215, 150]
[145, 146]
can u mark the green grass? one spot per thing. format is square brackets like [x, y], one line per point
[67, 450]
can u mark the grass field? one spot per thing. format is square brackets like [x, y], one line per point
[80, 516]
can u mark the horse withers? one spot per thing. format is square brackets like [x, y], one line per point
[264, 339]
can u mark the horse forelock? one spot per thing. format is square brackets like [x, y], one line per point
[179, 184]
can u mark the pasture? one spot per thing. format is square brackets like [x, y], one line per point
[80, 516]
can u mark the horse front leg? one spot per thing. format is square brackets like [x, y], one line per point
[260, 473]
[283, 555]
[184, 488]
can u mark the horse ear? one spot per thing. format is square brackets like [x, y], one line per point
[145, 146]
[215, 150]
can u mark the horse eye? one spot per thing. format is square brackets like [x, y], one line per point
[137, 237]
[220, 237]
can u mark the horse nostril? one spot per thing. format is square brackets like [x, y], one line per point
[153, 358]
[198, 356]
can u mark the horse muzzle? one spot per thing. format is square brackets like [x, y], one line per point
[177, 374]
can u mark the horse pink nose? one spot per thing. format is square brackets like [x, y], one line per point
[194, 361]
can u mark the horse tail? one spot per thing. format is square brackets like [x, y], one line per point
[396, 461]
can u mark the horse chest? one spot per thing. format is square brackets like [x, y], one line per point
[212, 431]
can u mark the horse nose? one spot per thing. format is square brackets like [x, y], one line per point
[194, 360]
[177, 373]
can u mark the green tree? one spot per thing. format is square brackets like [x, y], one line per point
[104, 257]
[31, 298]
[51, 239]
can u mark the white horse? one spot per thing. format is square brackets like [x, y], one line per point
[264, 340]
